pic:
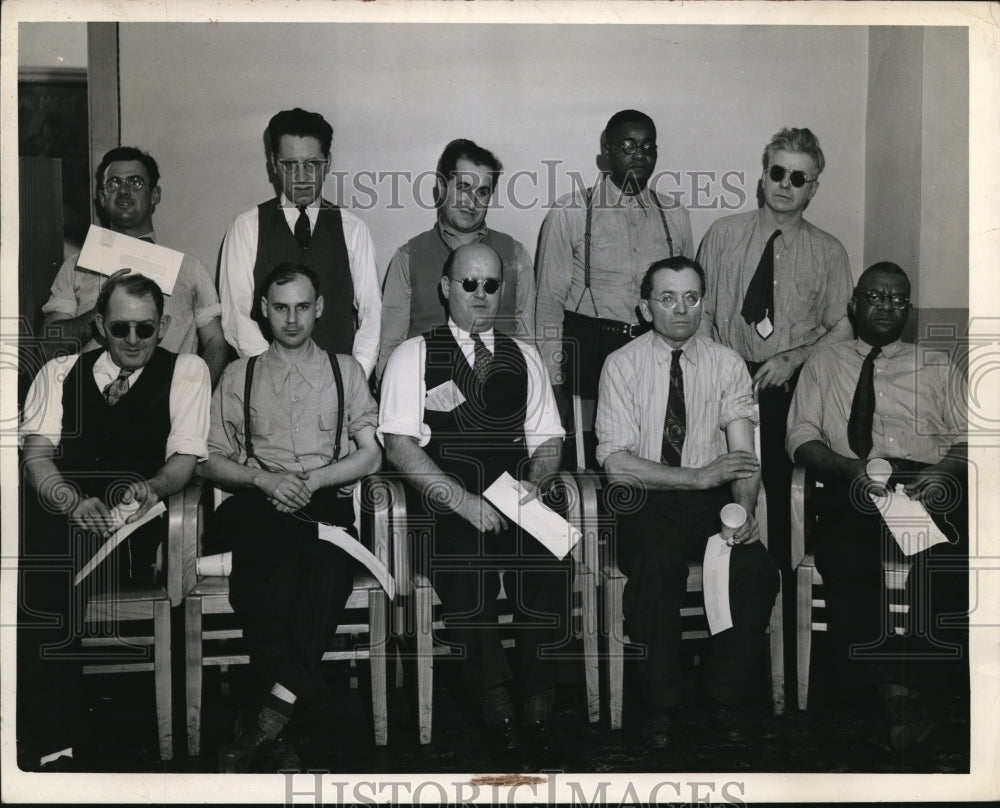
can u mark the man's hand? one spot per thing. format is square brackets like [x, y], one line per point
[288, 491]
[480, 514]
[748, 532]
[92, 514]
[728, 467]
[865, 484]
[141, 496]
[931, 484]
[777, 370]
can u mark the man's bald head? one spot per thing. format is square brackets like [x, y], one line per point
[472, 285]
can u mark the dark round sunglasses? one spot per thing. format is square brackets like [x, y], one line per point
[120, 329]
[490, 285]
[797, 178]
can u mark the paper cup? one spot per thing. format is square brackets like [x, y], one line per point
[879, 470]
[216, 565]
[733, 517]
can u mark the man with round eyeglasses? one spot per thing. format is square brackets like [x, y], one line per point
[128, 192]
[595, 246]
[776, 287]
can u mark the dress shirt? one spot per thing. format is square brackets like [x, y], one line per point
[812, 282]
[920, 401]
[635, 385]
[396, 293]
[626, 237]
[293, 410]
[236, 286]
[190, 394]
[404, 391]
[193, 304]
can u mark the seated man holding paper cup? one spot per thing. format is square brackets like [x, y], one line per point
[869, 415]
[107, 436]
[675, 426]
[128, 192]
[290, 429]
[462, 406]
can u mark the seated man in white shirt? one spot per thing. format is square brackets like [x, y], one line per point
[120, 426]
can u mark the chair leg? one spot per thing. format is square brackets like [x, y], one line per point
[193, 672]
[614, 625]
[161, 674]
[803, 632]
[425, 661]
[588, 602]
[777, 649]
[378, 615]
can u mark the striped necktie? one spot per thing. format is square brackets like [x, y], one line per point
[675, 422]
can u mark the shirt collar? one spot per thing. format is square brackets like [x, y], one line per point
[310, 367]
[611, 194]
[664, 353]
[105, 365]
[464, 336]
[285, 202]
[862, 348]
[452, 239]
[768, 224]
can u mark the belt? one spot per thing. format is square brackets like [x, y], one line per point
[630, 330]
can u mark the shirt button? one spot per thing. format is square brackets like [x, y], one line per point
[890, 440]
[295, 398]
[880, 394]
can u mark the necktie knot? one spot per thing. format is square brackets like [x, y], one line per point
[113, 391]
[303, 233]
[483, 358]
[675, 362]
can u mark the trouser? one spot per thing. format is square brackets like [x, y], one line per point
[464, 566]
[851, 543]
[287, 587]
[654, 544]
[51, 611]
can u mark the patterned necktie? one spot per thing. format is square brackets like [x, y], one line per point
[675, 422]
[758, 303]
[484, 359]
[859, 426]
[113, 391]
[303, 235]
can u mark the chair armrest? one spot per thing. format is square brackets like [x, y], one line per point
[581, 512]
[385, 497]
[798, 513]
[175, 546]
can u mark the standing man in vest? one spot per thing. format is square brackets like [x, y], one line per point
[595, 247]
[286, 468]
[121, 426]
[299, 226]
[467, 176]
[777, 286]
[461, 405]
[128, 190]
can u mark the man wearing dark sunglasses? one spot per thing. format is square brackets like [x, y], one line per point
[878, 397]
[128, 192]
[467, 176]
[461, 405]
[299, 226]
[123, 427]
[595, 246]
[776, 286]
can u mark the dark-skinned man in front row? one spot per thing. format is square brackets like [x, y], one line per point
[460, 405]
[879, 397]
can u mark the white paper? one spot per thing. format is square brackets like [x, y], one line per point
[117, 538]
[443, 398]
[908, 520]
[715, 584]
[555, 533]
[346, 542]
[106, 251]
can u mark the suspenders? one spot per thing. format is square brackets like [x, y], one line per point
[586, 243]
[248, 384]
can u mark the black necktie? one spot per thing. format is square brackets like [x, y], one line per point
[675, 422]
[113, 391]
[859, 426]
[758, 303]
[484, 359]
[303, 235]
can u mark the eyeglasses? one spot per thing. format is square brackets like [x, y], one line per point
[120, 328]
[629, 146]
[135, 182]
[669, 301]
[876, 298]
[309, 167]
[797, 178]
[490, 285]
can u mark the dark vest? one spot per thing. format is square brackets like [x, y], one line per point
[428, 254]
[326, 256]
[101, 445]
[484, 436]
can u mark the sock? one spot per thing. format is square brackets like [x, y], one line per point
[538, 707]
[496, 705]
[274, 715]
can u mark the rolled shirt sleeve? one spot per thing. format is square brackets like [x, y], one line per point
[401, 411]
[367, 297]
[239, 252]
[190, 407]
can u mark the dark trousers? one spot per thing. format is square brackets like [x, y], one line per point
[464, 566]
[288, 587]
[50, 615]
[851, 543]
[654, 544]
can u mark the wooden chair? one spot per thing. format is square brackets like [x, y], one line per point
[109, 610]
[380, 499]
[580, 504]
[804, 491]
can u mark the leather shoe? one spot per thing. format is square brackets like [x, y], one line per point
[502, 741]
[279, 756]
[538, 745]
[656, 729]
[730, 723]
[902, 721]
[238, 757]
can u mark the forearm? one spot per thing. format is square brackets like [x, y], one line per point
[824, 462]
[745, 492]
[226, 473]
[841, 332]
[214, 353]
[422, 473]
[364, 461]
[71, 328]
[173, 475]
[625, 467]
[545, 463]
[44, 477]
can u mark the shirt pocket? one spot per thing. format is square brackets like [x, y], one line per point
[261, 425]
[328, 421]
